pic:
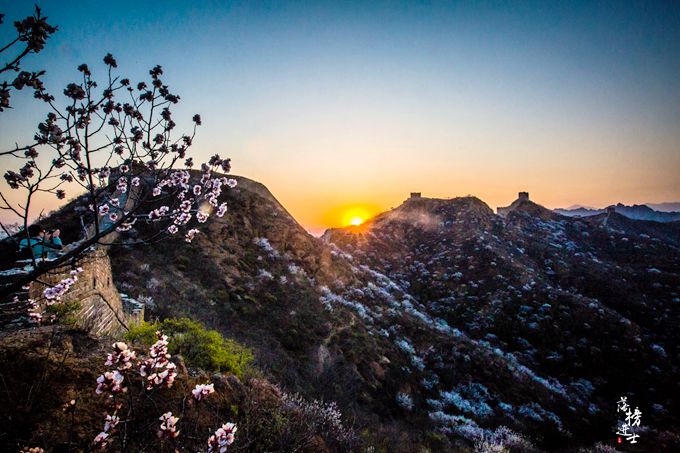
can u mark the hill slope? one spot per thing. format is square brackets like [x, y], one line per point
[583, 307]
[436, 323]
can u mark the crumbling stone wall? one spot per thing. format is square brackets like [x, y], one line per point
[102, 311]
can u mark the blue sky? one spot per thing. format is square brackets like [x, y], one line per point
[338, 104]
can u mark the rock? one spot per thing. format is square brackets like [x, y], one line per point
[229, 384]
[181, 366]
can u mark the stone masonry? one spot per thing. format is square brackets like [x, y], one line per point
[102, 310]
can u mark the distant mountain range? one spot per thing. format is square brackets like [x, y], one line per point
[659, 212]
[665, 207]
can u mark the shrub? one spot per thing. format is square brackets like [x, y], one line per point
[200, 347]
[65, 312]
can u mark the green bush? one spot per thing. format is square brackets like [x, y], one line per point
[65, 312]
[200, 347]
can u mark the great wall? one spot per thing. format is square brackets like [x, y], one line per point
[102, 310]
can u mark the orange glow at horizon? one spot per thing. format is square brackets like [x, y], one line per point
[343, 215]
[355, 216]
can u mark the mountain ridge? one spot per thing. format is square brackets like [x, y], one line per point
[637, 212]
[437, 322]
[528, 259]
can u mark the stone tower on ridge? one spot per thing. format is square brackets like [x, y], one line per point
[504, 211]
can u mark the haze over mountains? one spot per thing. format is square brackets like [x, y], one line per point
[661, 212]
[661, 207]
[436, 323]
[665, 207]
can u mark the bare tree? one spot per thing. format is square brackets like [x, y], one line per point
[117, 143]
[31, 35]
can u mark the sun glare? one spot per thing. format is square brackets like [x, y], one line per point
[354, 215]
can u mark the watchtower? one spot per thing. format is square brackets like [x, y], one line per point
[523, 196]
[415, 195]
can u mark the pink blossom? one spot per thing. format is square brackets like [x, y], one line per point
[53, 294]
[111, 422]
[113, 217]
[156, 191]
[222, 438]
[157, 369]
[197, 189]
[122, 356]
[202, 390]
[135, 181]
[34, 315]
[162, 377]
[121, 186]
[190, 234]
[201, 216]
[177, 178]
[222, 210]
[158, 213]
[104, 209]
[217, 186]
[101, 440]
[126, 226]
[183, 218]
[168, 427]
[172, 229]
[111, 381]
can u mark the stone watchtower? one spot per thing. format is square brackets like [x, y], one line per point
[504, 211]
[415, 195]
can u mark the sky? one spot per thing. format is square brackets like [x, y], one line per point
[343, 108]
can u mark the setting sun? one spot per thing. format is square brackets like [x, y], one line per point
[354, 215]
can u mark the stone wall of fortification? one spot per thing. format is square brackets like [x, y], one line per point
[102, 310]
